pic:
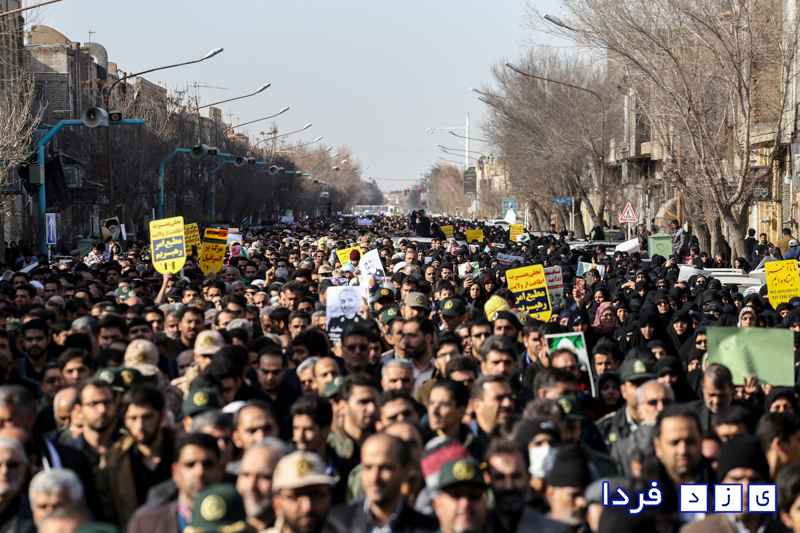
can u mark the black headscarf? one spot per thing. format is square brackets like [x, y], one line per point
[672, 365]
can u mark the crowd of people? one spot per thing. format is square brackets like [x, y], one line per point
[140, 402]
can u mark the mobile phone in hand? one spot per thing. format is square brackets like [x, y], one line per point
[580, 288]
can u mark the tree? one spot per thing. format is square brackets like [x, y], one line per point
[713, 79]
[445, 189]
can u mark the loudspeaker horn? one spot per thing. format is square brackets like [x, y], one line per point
[94, 117]
[199, 150]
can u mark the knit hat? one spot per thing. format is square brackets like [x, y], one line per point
[495, 304]
[571, 468]
[355, 255]
[742, 451]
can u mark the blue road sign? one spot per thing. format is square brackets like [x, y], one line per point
[51, 228]
[562, 200]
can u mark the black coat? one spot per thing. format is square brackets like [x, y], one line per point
[352, 515]
[704, 413]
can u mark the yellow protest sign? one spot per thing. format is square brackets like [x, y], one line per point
[212, 253]
[191, 234]
[448, 232]
[783, 281]
[474, 235]
[515, 229]
[529, 285]
[344, 255]
[167, 246]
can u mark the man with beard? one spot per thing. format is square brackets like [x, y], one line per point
[35, 338]
[15, 510]
[196, 467]
[139, 460]
[418, 338]
[493, 405]
[568, 480]
[97, 405]
[302, 496]
[357, 402]
[386, 465]
[254, 482]
[509, 477]
[460, 503]
[190, 324]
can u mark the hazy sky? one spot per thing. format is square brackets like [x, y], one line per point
[369, 74]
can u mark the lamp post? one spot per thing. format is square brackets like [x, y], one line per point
[260, 89]
[209, 55]
[602, 109]
[41, 196]
[161, 165]
[282, 111]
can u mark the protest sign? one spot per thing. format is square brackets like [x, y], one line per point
[167, 246]
[191, 235]
[743, 351]
[631, 246]
[506, 259]
[287, 220]
[576, 343]
[687, 272]
[448, 231]
[783, 281]
[524, 237]
[233, 237]
[660, 244]
[514, 230]
[212, 253]
[364, 221]
[470, 267]
[111, 229]
[555, 285]
[344, 255]
[583, 268]
[474, 235]
[530, 288]
[343, 304]
[370, 264]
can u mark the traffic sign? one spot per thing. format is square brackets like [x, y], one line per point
[51, 229]
[628, 214]
[509, 204]
[562, 200]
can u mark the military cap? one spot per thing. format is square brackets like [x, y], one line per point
[466, 470]
[571, 408]
[453, 307]
[333, 387]
[387, 315]
[200, 401]
[218, 508]
[130, 376]
[417, 299]
[300, 469]
[112, 376]
[636, 369]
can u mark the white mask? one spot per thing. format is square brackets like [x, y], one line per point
[542, 459]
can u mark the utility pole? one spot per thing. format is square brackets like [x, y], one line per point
[466, 153]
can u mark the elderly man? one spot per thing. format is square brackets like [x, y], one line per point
[54, 489]
[718, 393]
[15, 510]
[254, 482]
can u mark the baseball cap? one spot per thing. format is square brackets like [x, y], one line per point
[300, 469]
[466, 470]
[386, 292]
[218, 508]
[142, 355]
[495, 304]
[130, 377]
[208, 342]
[417, 299]
[530, 428]
[453, 307]
[793, 242]
[636, 369]
[200, 401]
[333, 387]
[111, 376]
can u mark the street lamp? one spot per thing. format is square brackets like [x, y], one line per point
[555, 20]
[283, 135]
[118, 117]
[260, 89]
[518, 70]
[282, 111]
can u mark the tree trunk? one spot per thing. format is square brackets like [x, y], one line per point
[703, 236]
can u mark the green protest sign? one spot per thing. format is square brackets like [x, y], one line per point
[767, 353]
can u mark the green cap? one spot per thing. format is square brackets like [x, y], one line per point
[636, 369]
[111, 376]
[571, 408]
[200, 401]
[130, 376]
[466, 470]
[333, 387]
[387, 315]
[453, 307]
[218, 508]
[97, 527]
